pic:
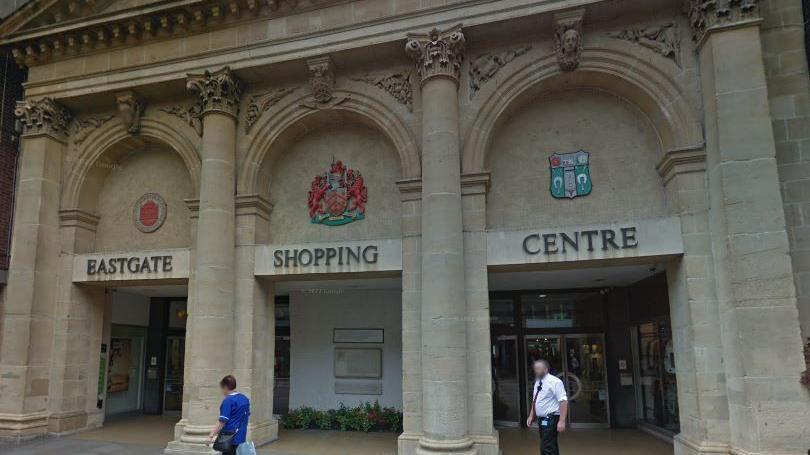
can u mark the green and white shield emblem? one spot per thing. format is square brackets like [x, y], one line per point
[570, 174]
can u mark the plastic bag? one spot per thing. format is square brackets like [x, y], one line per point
[246, 448]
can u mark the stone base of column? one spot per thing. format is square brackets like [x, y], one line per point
[65, 423]
[191, 440]
[407, 443]
[263, 432]
[487, 444]
[22, 427]
[453, 447]
[685, 446]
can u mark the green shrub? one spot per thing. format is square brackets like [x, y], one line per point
[364, 417]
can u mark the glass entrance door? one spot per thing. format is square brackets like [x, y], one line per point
[586, 380]
[580, 359]
[506, 387]
[173, 382]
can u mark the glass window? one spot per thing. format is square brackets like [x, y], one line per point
[502, 312]
[658, 387]
[562, 310]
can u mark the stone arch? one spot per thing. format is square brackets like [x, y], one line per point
[613, 67]
[100, 142]
[264, 145]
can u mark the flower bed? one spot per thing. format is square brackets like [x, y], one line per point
[365, 417]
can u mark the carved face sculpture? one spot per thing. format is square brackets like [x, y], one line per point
[129, 111]
[570, 41]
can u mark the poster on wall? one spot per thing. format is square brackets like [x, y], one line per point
[120, 364]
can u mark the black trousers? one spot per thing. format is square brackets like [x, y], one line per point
[548, 435]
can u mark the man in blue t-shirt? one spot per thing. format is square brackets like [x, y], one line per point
[234, 413]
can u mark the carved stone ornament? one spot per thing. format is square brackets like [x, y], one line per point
[397, 85]
[486, 66]
[568, 39]
[708, 14]
[438, 53]
[42, 116]
[83, 127]
[130, 109]
[664, 39]
[322, 82]
[189, 114]
[218, 91]
[262, 102]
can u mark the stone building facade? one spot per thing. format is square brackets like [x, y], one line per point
[231, 148]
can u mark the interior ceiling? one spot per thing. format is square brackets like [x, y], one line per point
[602, 277]
[174, 290]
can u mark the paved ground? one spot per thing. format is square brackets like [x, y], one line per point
[148, 436]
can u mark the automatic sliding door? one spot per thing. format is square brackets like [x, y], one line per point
[586, 380]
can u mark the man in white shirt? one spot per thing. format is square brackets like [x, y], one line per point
[549, 407]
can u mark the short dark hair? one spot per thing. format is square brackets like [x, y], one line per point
[229, 382]
[544, 362]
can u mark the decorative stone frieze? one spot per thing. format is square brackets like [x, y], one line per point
[397, 85]
[42, 116]
[82, 127]
[568, 38]
[218, 91]
[486, 66]
[664, 39]
[438, 53]
[130, 109]
[159, 22]
[708, 15]
[189, 114]
[262, 102]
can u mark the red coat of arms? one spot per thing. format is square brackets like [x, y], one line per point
[337, 196]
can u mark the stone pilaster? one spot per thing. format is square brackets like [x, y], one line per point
[474, 188]
[78, 329]
[209, 335]
[445, 413]
[759, 327]
[702, 397]
[254, 319]
[29, 300]
[411, 197]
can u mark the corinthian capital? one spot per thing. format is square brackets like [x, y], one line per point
[708, 15]
[438, 53]
[42, 116]
[218, 91]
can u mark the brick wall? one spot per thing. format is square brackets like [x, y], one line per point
[783, 45]
[11, 78]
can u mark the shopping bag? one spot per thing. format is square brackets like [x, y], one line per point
[246, 448]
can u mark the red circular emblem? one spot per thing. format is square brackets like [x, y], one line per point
[149, 212]
[555, 161]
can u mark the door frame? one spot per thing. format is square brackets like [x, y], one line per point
[506, 423]
[164, 382]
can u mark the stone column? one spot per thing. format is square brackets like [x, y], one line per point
[444, 332]
[759, 325]
[702, 397]
[209, 337]
[411, 196]
[254, 319]
[474, 187]
[29, 300]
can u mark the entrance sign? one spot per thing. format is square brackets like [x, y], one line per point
[570, 174]
[131, 266]
[340, 257]
[657, 237]
[149, 212]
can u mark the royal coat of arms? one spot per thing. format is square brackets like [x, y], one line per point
[570, 175]
[338, 196]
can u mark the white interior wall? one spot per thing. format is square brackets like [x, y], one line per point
[313, 316]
